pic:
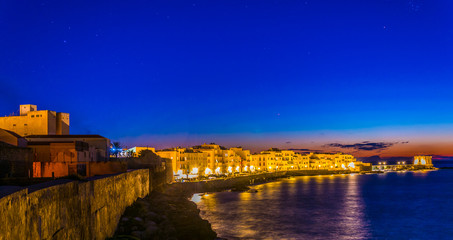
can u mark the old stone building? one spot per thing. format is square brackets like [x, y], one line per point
[32, 121]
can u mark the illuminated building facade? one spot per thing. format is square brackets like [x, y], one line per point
[423, 160]
[214, 159]
[32, 121]
[207, 159]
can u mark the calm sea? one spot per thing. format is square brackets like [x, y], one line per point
[410, 205]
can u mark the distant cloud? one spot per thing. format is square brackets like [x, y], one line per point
[440, 157]
[366, 145]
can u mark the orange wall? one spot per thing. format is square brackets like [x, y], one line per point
[63, 169]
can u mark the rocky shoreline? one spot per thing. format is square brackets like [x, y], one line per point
[163, 216]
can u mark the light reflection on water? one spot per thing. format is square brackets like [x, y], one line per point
[334, 207]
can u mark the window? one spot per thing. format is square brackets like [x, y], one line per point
[25, 124]
[14, 125]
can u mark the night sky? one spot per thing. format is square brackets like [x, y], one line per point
[366, 77]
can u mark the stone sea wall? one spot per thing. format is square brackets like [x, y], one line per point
[188, 188]
[65, 209]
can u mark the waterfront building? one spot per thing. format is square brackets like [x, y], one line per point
[337, 161]
[422, 160]
[260, 161]
[207, 159]
[302, 161]
[174, 154]
[32, 121]
[214, 156]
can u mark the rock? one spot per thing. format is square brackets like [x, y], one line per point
[239, 188]
[151, 229]
[161, 216]
[252, 190]
[137, 234]
[151, 224]
[152, 216]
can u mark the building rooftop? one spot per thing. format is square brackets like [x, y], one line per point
[12, 133]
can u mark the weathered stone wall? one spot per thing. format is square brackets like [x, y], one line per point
[15, 161]
[71, 209]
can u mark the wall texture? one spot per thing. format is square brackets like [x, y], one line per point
[71, 209]
[15, 161]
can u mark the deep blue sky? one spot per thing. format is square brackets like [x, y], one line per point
[136, 71]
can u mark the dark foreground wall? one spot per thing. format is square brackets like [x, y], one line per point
[71, 209]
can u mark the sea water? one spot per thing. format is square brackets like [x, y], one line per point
[396, 205]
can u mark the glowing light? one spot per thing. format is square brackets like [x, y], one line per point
[416, 161]
[292, 166]
[194, 171]
[331, 166]
[306, 166]
[423, 161]
[179, 172]
[217, 170]
[270, 167]
[343, 166]
[230, 169]
[351, 165]
[237, 169]
[245, 169]
[252, 168]
[259, 168]
[404, 162]
[207, 171]
[319, 166]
